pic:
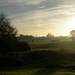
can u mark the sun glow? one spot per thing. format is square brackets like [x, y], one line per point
[71, 24]
[67, 26]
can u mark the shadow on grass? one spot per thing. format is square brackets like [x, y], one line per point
[39, 71]
[39, 59]
[38, 63]
[45, 71]
[50, 59]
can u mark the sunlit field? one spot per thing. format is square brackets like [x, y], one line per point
[48, 45]
[45, 58]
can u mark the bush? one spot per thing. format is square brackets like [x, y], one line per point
[5, 46]
[21, 46]
[13, 45]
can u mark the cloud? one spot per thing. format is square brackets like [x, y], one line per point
[38, 14]
[14, 1]
[28, 2]
[34, 2]
[60, 12]
[41, 7]
[15, 7]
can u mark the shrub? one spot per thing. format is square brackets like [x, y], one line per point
[21, 46]
[13, 45]
[5, 46]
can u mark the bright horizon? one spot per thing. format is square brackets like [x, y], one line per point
[39, 17]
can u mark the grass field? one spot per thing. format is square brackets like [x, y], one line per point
[47, 45]
[45, 58]
[39, 71]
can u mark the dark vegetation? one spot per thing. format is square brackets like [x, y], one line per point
[42, 55]
[8, 37]
[48, 37]
[39, 53]
[9, 43]
[43, 59]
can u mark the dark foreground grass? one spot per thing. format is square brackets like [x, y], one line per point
[40, 62]
[38, 71]
[43, 59]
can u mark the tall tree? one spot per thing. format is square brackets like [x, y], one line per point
[7, 33]
[72, 33]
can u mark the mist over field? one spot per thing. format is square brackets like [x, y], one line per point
[37, 37]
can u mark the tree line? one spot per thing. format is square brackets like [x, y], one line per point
[48, 37]
[9, 41]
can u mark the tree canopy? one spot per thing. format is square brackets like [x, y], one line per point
[7, 34]
[7, 31]
[8, 40]
[72, 33]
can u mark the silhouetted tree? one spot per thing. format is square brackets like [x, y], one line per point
[72, 33]
[49, 36]
[8, 40]
[7, 33]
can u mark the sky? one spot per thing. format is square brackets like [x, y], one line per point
[39, 17]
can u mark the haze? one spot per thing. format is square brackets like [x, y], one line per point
[38, 17]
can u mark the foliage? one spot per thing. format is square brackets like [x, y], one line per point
[8, 40]
[7, 34]
[7, 31]
[49, 35]
[13, 46]
[21, 46]
[72, 35]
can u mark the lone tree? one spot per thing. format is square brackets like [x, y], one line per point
[72, 33]
[7, 33]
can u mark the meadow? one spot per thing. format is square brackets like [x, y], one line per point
[45, 58]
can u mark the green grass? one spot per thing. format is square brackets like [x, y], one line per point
[45, 58]
[47, 45]
[39, 71]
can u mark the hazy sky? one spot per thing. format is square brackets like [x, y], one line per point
[38, 17]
